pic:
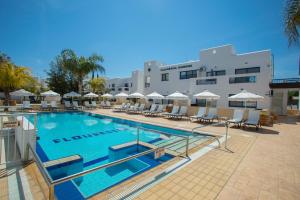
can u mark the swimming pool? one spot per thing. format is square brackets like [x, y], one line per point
[92, 136]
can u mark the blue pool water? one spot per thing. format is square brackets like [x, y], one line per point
[91, 136]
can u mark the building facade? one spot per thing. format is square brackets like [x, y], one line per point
[219, 70]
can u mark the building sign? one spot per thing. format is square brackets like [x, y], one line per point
[159, 153]
[10, 124]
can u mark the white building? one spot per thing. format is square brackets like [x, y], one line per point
[219, 69]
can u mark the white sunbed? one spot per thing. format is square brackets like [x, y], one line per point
[120, 108]
[107, 104]
[152, 109]
[68, 105]
[133, 108]
[237, 118]
[201, 113]
[75, 105]
[139, 109]
[253, 119]
[53, 105]
[26, 105]
[87, 105]
[94, 104]
[211, 115]
[182, 113]
[158, 111]
[175, 110]
[44, 105]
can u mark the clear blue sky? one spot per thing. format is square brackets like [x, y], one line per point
[129, 32]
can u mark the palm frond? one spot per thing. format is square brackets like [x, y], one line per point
[292, 21]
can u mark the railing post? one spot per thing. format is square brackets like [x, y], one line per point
[226, 134]
[187, 147]
[137, 139]
[51, 192]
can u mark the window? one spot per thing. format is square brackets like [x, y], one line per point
[130, 84]
[247, 70]
[126, 85]
[147, 83]
[126, 89]
[119, 89]
[245, 79]
[188, 74]
[206, 81]
[216, 73]
[165, 77]
[113, 85]
[112, 89]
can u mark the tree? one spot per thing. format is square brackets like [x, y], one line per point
[59, 79]
[81, 66]
[97, 85]
[13, 77]
[292, 21]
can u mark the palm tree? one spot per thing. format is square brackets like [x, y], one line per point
[13, 77]
[292, 20]
[81, 66]
[97, 85]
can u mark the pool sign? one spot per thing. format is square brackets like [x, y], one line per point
[10, 124]
[159, 153]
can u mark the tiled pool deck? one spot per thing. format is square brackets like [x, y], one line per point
[264, 165]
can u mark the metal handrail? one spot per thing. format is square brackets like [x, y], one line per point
[161, 132]
[211, 135]
[51, 183]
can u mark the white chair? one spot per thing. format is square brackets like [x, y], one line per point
[26, 105]
[211, 115]
[94, 104]
[237, 118]
[175, 110]
[253, 119]
[201, 113]
[182, 113]
[107, 104]
[68, 105]
[75, 105]
[152, 109]
[53, 105]
[87, 104]
[44, 105]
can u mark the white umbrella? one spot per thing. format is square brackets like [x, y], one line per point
[21, 93]
[245, 96]
[207, 95]
[177, 96]
[121, 95]
[155, 95]
[91, 95]
[49, 93]
[71, 94]
[107, 95]
[136, 95]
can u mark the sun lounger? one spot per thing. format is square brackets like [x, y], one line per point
[140, 109]
[118, 109]
[253, 119]
[237, 117]
[201, 113]
[211, 115]
[182, 113]
[87, 105]
[75, 105]
[133, 108]
[26, 105]
[102, 104]
[44, 105]
[68, 105]
[53, 105]
[94, 104]
[152, 109]
[107, 104]
[175, 110]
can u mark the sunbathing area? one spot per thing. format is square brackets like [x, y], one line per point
[231, 153]
[150, 100]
